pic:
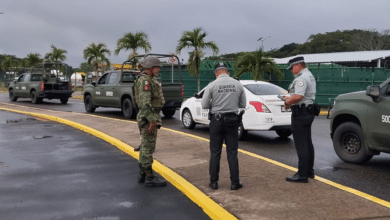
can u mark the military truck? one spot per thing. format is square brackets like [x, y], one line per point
[360, 123]
[115, 89]
[42, 82]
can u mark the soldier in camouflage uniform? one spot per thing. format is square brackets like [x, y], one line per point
[140, 69]
[150, 100]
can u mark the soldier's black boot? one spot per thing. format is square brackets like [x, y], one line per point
[152, 180]
[137, 148]
[141, 175]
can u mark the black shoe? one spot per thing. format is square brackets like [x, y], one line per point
[137, 148]
[311, 174]
[236, 186]
[155, 182]
[213, 185]
[297, 179]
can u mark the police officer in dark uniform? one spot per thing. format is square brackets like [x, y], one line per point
[302, 95]
[225, 99]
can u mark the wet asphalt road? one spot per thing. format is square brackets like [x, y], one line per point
[52, 171]
[372, 177]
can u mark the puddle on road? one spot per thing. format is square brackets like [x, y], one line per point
[21, 120]
[333, 168]
[42, 136]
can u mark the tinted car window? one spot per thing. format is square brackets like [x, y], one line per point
[103, 79]
[128, 78]
[21, 78]
[26, 77]
[36, 77]
[113, 78]
[265, 89]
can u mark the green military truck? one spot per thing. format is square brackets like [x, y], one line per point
[115, 89]
[360, 123]
[42, 82]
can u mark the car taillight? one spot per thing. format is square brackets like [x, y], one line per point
[182, 91]
[42, 86]
[260, 107]
[70, 84]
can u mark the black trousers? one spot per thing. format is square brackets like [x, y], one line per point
[219, 132]
[301, 121]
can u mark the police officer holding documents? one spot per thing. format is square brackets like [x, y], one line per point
[302, 94]
[225, 99]
[150, 100]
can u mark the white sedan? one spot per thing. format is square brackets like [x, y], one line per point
[264, 110]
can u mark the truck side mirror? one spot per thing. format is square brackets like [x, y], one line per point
[373, 92]
[93, 83]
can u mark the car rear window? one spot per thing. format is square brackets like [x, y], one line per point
[265, 89]
[36, 77]
[128, 78]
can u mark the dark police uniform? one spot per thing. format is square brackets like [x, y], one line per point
[302, 118]
[224, 97]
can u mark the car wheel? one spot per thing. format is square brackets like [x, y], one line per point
[34, 98]
[127, 109]
[64, 101]
[168, 113]
[242, 133]
[187, 120]
[88, 104]
[284, 133]
[12, 96]
[349, 143]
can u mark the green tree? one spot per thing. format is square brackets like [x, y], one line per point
[57, 54]
[33, 59]
[372, 39]
[8, 62]
[195, 39]
[133, 42]
[96, 54]
[258, 64]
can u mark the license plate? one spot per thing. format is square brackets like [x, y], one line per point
[284, 110]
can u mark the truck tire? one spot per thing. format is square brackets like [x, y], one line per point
[168, 113]
[34, 98]
[349, 143]
[187, 120]
[64, 101]
[12, 96]
[284, 133]
[127, 109]
[242, 133]
[89, 107]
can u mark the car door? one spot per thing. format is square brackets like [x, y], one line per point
[100, 90]
[18, 86]
[111, 91]
[200, 115]
[378, 119]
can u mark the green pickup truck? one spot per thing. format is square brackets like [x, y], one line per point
[42, 82]
[115, 89]
[360, 123]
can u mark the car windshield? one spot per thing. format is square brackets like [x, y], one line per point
[265, 89]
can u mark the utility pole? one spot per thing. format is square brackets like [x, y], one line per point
[262, 40]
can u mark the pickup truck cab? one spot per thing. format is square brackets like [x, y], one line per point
[360, 123]
[42, 82]
[115, 89]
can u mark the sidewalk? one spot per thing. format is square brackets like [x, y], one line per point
[265, 195]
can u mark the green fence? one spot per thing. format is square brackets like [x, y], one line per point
[332, 80]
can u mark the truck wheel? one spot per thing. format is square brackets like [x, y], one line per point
[127, 109]
[12, 96]
[349, 143]
[88, 104]
[242, 133]
[34, 98]
[64, 101]
[188, 122]
[168, 113]
[285, 133]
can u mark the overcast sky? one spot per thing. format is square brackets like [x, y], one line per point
[31, 26]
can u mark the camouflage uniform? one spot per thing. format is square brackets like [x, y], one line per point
[150, 100]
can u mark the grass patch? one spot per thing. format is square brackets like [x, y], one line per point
[3, 88]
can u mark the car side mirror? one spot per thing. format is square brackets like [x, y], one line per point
[93, 83]
[373, 92]
[15, 81]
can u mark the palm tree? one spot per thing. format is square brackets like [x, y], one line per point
[195, 39]
[8, 62]
[57, 54]
[96, 54]
[258, 64]
[132, 42]
[33, 59]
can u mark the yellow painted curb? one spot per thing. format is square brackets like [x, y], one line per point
[210, 207]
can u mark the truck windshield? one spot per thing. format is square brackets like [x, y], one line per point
[265, 89]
